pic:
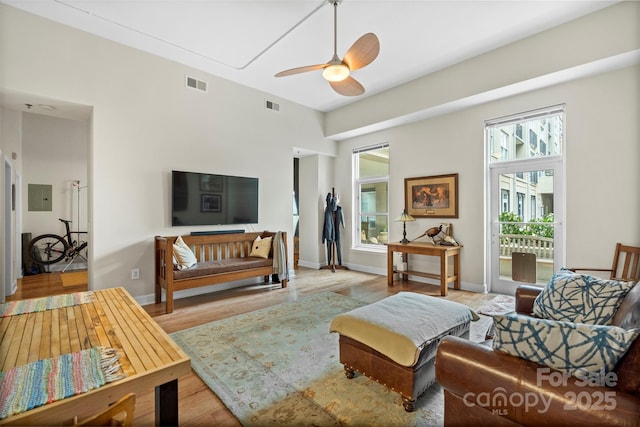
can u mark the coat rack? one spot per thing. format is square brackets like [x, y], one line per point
[333, 219]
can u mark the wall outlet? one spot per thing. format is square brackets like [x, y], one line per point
[135, 274]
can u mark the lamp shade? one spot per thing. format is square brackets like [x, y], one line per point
[405, 217]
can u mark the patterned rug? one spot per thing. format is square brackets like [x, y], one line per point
[44, 381]
[280, 365]
[33, 305]
[501, 304]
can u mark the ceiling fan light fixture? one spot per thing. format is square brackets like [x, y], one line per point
[335, 72]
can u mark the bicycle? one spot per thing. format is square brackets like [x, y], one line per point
[48, 249]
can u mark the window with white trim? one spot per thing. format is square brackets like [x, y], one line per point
[525, 196]
[371, 197]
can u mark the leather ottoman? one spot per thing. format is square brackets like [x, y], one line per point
[394, 341]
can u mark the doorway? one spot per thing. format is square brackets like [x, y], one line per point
[296, 211]
[9, 252]
[52, 147]
[525, 191]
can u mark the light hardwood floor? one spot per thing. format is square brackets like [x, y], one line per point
[198, 405]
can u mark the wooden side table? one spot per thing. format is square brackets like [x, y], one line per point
[443, 252]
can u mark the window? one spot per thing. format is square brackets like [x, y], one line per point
[533, 213]
[533, 139]
[532, 221]
[520, 206]
[506, 207]
[371, 183]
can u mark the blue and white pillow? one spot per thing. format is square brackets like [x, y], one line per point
[573, 297]
[579, 349]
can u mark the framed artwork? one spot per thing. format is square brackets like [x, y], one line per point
[432, 196]
[211, 203]
[211, 183]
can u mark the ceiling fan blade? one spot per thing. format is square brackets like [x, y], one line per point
[348, 87]
[362, 52]
[299, 70]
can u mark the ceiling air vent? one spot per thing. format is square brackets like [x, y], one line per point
[270, 105]
[196, 84]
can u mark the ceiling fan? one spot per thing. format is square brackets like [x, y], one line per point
[337, 70]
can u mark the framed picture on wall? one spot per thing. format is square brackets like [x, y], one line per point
[211, 203]
[432, 196]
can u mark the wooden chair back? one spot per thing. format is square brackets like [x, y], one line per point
[118, 414]
[626, 263]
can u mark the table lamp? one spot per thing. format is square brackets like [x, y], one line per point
[404, 218]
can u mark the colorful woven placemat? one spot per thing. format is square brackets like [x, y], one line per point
[45, 303]
[44, 381]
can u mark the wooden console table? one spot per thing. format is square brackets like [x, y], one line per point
[148, 356]
[444, 252]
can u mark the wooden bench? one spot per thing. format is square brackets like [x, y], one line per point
[221, 258]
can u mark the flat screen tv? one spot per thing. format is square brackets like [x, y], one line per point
[207, 199]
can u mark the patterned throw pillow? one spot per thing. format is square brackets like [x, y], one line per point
[574, 348]
[573, 297]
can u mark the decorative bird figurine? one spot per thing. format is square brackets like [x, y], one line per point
[439, 236]
[431, 233]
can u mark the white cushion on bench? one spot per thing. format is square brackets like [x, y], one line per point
[183, 253]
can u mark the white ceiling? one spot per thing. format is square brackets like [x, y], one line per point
[249, 41]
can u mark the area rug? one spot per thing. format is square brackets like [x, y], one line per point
[501, 304]
[280, 365]
[74, 278]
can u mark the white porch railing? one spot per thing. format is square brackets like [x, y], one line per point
[542, 247]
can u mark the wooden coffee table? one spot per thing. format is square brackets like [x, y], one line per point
[148, 356]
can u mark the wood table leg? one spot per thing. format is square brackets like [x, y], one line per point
[389, 268]
[167, 404]
[405, 261]
[444, 273]
[456, 270]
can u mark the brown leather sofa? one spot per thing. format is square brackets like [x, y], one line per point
[483, 387]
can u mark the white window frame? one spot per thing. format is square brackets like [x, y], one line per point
[357, 182]
[493, 203]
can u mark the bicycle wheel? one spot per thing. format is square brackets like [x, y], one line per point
[47, 249]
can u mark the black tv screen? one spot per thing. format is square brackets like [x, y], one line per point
[207, 199]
